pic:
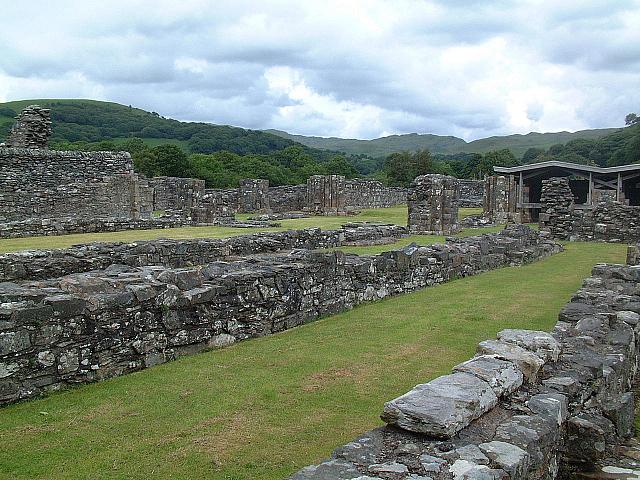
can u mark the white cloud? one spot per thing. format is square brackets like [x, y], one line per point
[343, 68]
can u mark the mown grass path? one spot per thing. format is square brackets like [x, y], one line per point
[265, 407]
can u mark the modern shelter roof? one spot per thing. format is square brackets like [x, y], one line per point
[568, 166]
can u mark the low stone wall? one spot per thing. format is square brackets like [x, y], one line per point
[529, 405]
[41, 264]
[91, 326]
[608, 221]
[471, 193]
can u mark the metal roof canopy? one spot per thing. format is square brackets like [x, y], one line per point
[568, 166]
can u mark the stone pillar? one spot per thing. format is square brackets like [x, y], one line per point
[32, 129]
[556, 208]
[326, 195]
[499, 202]
[432, 204]
[253, 196]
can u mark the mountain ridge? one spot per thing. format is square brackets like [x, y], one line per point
[518, 143]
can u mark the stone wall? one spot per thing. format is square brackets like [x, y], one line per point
[287, 198]
[253, 196]
[607, 221]
[42, 264]
[471, 193]
[174, 194]
[32, 129]
[90, 326]
[432, 205]
[529, 405]
[38, 183]
[360, 193]
[326, 195]
[500, 198]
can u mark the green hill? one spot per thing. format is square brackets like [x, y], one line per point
[94, 121]
[381, 147]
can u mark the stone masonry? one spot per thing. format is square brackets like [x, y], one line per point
[433, 206]
[89, 326]
[500, 198]
[32, 129]
[470, 193]
[326, 195]
[253, 196]
[43, 264]
[607, 221]
[46, 184]
[528, 405]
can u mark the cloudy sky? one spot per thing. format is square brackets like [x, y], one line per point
[335, 68]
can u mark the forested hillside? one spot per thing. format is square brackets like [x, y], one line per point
[93, 121]
[222, 155]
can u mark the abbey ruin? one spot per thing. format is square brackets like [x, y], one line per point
[528, 404]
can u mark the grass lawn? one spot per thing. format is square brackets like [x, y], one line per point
[396, 215]
[263, 408]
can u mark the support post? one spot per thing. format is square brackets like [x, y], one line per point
[618, 187]
[521, 196]
[589, 198]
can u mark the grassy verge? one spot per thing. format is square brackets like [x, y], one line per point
[396, 215]
[265, 407]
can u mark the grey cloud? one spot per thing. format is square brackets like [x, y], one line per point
[389, 57]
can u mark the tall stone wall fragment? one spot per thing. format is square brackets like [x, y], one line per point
[32, 129]
[432, 205]
[500, 198]
[326, 195]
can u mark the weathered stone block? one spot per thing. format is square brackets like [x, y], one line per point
[12, 342]
[541, 343]
[441, 407]
[528, 362]
[503, 376]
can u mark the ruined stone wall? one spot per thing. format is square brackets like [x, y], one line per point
[288, 198]
[32, 128]
[42, 264]
[470, 193]
[253, 196]
[500, 198]
[38, 183]
[176, 194]
[529, 405]
[326, 195]
[360, 193]
[91, 326]
[432, 205]
[607, 221]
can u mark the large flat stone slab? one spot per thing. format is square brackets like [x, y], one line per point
[441, 407]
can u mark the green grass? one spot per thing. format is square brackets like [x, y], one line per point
[265, 407]
[397, 215]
